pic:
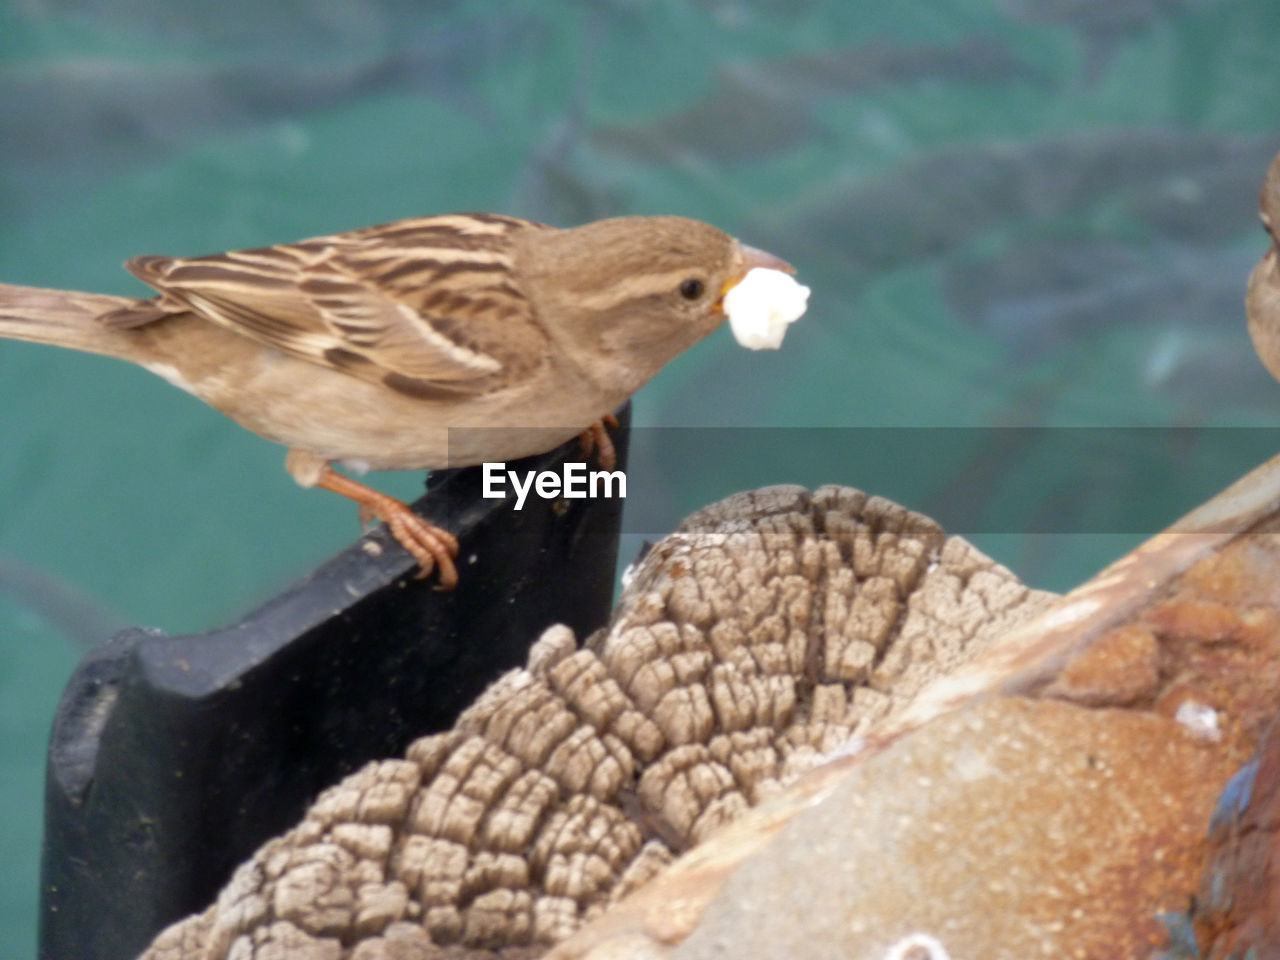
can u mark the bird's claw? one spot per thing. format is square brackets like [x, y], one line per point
[433, 547]
[596, 439]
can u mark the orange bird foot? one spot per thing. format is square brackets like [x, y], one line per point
[433, 547]
[596, 439]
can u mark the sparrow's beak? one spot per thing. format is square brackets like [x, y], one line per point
[747, 259]
[751, 258]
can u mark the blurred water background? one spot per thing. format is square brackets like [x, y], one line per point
[1013, 213]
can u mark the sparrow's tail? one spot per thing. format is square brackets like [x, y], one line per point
[63, 318]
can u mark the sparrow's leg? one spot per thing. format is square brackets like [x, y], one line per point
[596, 438]
[433, 547]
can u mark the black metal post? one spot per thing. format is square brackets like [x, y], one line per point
[173, 758]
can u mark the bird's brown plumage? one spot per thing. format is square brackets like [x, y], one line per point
[423, 343]
[433, 300]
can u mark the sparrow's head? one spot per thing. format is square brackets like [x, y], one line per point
[1262, 299]
[1269, 203]
[642, 289]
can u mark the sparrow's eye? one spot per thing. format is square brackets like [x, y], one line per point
[692, 288]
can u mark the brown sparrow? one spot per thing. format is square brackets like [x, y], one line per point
[1262, 302]
[368, 347]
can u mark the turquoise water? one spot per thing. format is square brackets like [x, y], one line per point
[1011, 212]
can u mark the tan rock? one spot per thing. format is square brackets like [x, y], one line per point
[1014, 829]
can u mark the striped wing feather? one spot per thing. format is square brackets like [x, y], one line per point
[428, 306]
